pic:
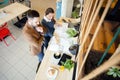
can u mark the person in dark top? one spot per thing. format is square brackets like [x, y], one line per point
[48, 21]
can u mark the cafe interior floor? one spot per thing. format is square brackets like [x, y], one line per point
[16, 62]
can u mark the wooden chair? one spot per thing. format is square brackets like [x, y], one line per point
[4, 32]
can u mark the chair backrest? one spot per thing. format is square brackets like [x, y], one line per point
[4, 31]
[4, 3]
[3, 26]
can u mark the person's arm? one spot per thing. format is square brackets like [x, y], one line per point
[56, 24]
[33, 40]
[49, 33]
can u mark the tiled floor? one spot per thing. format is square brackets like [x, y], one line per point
[16, 62]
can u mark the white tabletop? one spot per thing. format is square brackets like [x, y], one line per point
[13, 10]
[49, 60]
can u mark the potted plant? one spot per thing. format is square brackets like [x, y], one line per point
[113, 71]
[68, 64]
[72, 32]
[91, 64]
[74, 49]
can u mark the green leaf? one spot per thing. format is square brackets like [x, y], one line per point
[114, 72]
[68, 64]
[71, 32]
[111, 69]
[110, 73]
[118, 75]
[62, 63]
[114, 75]
[118, 72]
[75, 14]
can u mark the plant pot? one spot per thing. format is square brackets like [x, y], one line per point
[74, 49]
[57, 56]
[91, 64]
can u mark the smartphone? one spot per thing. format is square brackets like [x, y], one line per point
[64, 58]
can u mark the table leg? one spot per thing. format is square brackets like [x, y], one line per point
[18, 18]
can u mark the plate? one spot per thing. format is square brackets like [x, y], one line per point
[52, 73]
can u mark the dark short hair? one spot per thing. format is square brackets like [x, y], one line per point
[49, 10]
[32, 14]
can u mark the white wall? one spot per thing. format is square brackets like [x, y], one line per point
[81, 4]
[67, 6]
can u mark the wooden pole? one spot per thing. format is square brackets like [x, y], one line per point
[90, 26]
[95, 34]
[114, 61]
[84, 17]
[88, 11]
[79, 57]
[84, 23]
[86, 8]
[92, 14]
[87, 16]
[84, 12]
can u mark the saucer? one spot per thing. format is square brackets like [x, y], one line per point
[52, 73]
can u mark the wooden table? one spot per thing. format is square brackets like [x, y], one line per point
[48, 61]
[13, 10]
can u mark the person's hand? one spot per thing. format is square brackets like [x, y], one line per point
[39, 29]
[58, 25]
